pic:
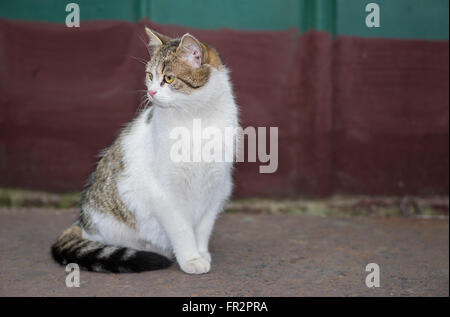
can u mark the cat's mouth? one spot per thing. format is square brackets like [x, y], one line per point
[156, 102]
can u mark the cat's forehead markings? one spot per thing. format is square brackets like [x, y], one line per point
[152, 65]
[160, 67]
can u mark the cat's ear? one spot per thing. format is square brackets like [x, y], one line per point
[190, 50]
[156, 39]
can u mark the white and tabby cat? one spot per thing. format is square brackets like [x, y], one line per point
[140, 209]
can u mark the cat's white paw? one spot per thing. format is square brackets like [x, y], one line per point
[196, 266]
[206, 255]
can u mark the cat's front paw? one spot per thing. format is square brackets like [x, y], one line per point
[206, 255]
[196, 266]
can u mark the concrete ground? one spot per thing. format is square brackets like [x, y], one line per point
[253, 255]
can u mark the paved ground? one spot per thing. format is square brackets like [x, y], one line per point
[253, 255]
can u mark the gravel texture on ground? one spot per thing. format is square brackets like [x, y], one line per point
[253, 255]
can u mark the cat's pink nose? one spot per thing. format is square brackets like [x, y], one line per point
[151, 92]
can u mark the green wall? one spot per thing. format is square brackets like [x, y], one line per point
[54, 10]
[421, 19]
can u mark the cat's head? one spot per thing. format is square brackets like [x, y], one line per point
[178, 69]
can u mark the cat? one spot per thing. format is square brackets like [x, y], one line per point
[140, 210]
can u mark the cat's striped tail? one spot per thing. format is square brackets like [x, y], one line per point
[71, 247]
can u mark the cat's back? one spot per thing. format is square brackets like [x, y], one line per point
[100, 195]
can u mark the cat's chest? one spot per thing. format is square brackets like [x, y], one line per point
[196, 177]
[192, 157]
[197, 141]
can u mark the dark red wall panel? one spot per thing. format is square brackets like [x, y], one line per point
[391, 116]
[64, 92]
[354, 115]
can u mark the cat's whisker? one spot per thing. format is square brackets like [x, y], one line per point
[143, 100]
[144, 104]
[140, 60]
[137, 91]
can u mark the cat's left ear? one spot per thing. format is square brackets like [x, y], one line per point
[190, 50]
[156, 39]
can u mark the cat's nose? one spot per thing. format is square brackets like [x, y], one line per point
[151, 92]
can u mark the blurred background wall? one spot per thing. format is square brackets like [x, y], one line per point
[360, 110]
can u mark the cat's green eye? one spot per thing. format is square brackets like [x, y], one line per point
[168, 79]
[150, 76]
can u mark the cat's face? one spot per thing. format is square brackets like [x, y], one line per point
[178, 69]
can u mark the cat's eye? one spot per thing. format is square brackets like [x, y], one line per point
[168, 79]
[150, 76]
